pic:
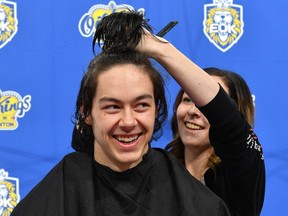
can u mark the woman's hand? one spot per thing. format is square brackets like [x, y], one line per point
[151, 45]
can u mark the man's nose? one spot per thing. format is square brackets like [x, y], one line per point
[128, 119]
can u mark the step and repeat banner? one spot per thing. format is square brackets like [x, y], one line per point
[45, 48]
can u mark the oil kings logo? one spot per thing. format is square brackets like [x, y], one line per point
[12, 106]
[8, 21]
[89, 20]
[9, 193]
[223, 23]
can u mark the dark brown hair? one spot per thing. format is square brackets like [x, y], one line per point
[115, 52]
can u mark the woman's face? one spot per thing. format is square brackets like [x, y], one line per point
[193, 126]
[122, 116]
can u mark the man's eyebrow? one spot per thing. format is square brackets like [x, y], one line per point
[145, 96]
[110, 99]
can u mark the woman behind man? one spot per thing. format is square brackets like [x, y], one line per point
[238, 174]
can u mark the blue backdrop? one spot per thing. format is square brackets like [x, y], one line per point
[45, 48]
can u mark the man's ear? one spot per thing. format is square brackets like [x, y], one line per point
[88, 120]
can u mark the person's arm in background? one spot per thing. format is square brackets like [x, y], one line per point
[199, 86]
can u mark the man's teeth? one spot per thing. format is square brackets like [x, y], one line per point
[192, 126]
[126, 139]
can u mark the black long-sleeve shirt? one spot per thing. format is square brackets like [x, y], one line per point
[240, 177]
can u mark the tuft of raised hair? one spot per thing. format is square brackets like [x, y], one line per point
[120, 31]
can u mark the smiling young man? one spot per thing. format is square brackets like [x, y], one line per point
[122, 120]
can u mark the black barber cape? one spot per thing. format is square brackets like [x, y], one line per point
[158, 186]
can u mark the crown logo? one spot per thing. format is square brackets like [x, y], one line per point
[223, 3]
[3, 175]
[223, 23]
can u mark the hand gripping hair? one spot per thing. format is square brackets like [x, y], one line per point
[120, 31]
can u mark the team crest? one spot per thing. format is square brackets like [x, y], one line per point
[89, 20]
[8, 21]
[223, 23]
[12, 106]
[9, 193]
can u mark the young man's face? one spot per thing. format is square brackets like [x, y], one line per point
[122, 116]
